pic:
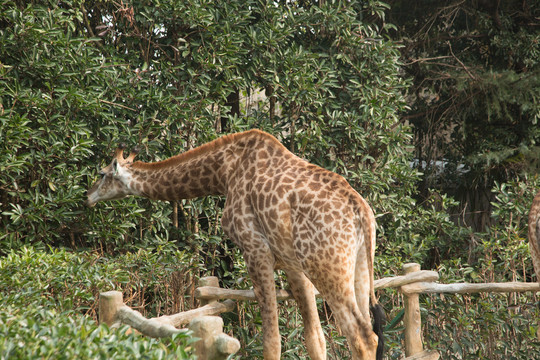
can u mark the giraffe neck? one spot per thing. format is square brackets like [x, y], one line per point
[205, 170]
[199, 172]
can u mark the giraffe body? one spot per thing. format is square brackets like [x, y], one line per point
[282, 212]
[534, 241]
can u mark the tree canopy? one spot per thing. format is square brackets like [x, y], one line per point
[475, 95]
[78, 78]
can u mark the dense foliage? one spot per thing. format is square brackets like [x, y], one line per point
[79, 77]
[475, 95]
[333, 96]
[48, 299]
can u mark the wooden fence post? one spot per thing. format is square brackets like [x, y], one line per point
[208, 281]
[412, 318]
[213, 343]
[109, 304]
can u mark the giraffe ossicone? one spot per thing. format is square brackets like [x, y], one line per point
[282, 212]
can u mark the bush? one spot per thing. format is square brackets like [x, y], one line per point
[483, 326]
[333, 97]
[490, 326]
[50, 303]
[71, 281]
[36, 332]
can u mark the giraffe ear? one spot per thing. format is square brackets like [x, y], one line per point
[114, 166]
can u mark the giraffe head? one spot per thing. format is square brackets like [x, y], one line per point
[115, 179]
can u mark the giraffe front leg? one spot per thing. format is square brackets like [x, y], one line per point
[242, 228]
[304, 294]
[261, 272]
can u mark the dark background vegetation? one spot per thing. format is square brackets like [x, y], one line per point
[430, 110]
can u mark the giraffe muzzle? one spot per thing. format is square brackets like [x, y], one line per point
[89, 203]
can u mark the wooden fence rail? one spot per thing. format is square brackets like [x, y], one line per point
[468, 288]
[216, 293]
[412, 319]
[213, 344]
[411, 284]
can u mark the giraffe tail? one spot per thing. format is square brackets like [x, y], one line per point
[379, 317]
[368, 228]
[378, 324]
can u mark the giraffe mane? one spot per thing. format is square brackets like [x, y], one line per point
[201, 150]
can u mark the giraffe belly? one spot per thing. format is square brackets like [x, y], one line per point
[283, 252]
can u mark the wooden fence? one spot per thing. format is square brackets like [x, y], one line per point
[216, 345]
[213, 344]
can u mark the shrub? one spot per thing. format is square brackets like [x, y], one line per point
[50, 303]
[32, 331]
[159, 282]
[490, 326]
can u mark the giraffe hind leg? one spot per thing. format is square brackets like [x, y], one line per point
[338, 289]
[360, 336]
[304, 294]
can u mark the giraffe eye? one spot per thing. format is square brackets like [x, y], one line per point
[102, 174]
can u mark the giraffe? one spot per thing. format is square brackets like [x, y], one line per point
[534, 241]
[283, 213]
[534, 234]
